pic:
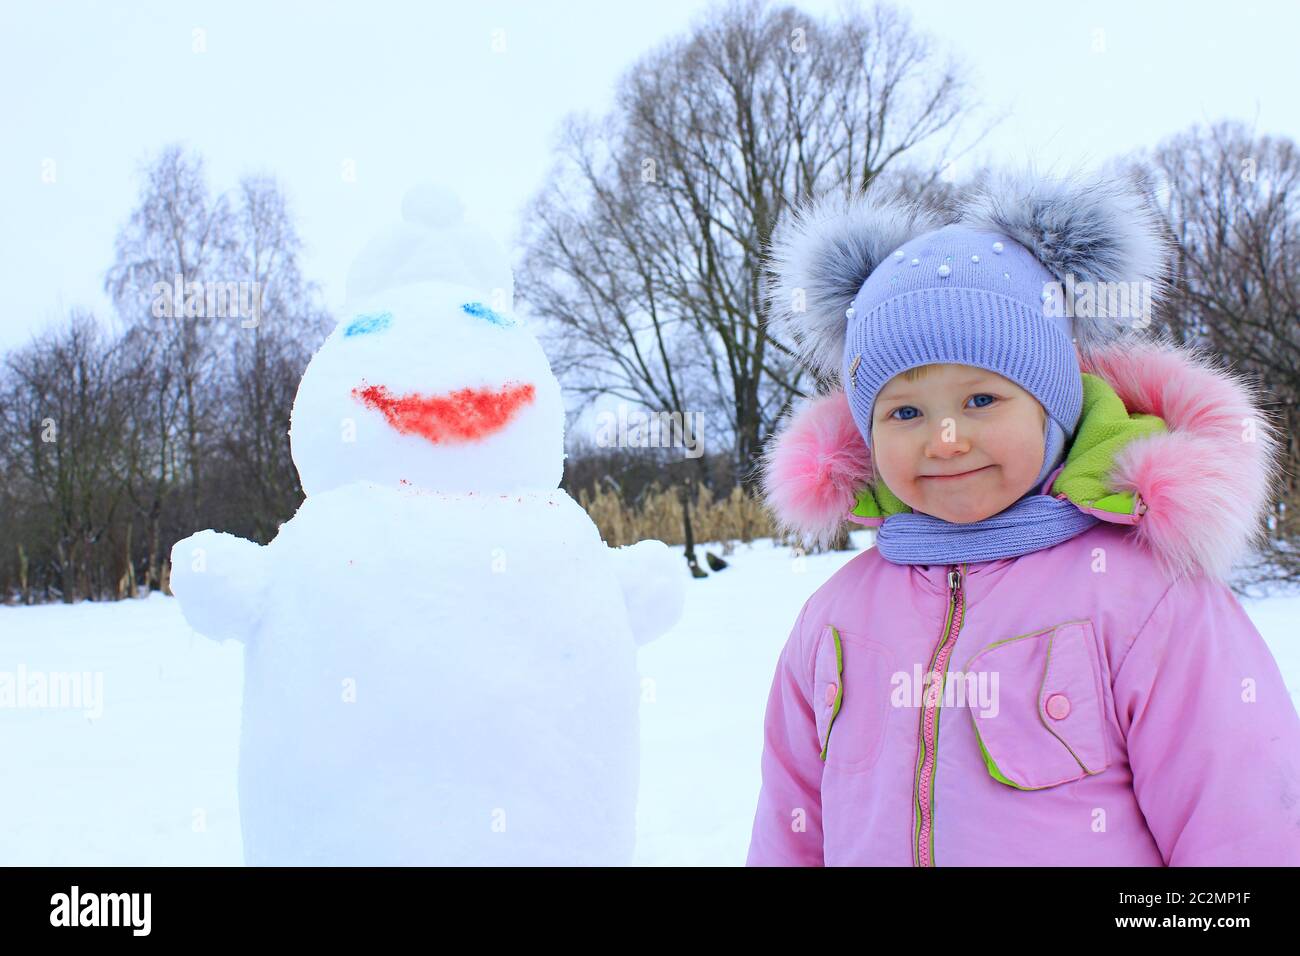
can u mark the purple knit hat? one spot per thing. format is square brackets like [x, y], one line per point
[969, 297]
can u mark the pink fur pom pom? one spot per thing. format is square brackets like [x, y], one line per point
[1207, 482]
[813, 468]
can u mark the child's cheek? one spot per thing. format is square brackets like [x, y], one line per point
[1022, 458]
[893, 467]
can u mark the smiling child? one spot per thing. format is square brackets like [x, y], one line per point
[1040, 661]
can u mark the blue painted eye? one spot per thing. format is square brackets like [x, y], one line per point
[481, 311]
[365, 324]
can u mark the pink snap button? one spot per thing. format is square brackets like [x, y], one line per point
[1058, 706]
[831, 691]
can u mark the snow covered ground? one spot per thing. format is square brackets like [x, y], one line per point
[151, 781]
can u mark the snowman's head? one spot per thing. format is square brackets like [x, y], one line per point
[429, 380]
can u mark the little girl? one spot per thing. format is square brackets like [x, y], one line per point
[1039, 662]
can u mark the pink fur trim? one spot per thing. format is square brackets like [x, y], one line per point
[1206, 484]
[814, 467]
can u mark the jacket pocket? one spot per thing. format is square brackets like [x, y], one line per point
[1047, 724]
[851, 685]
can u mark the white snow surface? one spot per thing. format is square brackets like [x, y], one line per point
[152, 781]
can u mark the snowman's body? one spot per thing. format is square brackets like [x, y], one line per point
[445, 680]
[440, 655]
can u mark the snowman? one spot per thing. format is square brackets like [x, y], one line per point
[439, 649]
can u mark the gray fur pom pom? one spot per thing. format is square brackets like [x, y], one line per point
[1098, 231]
[818, 260]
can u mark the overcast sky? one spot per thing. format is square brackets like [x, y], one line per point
[414, 92]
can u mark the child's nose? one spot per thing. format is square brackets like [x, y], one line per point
[945, 441]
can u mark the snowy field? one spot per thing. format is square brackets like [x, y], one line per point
[151, 781]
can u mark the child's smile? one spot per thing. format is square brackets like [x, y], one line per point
[957, 442]
[962, 474]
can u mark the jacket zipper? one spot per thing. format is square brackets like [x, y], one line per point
[923, 844]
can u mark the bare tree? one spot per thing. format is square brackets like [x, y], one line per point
[265, 363]
[177, 235]
[63, 411]
[1232, 200]
[644, 252]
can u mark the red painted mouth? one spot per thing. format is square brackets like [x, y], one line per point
[465, 415]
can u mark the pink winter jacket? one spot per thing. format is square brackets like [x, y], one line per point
[1104, 702]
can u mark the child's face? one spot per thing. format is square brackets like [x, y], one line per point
[951, 420]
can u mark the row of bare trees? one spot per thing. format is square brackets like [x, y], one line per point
[119, 436]
[642, 259]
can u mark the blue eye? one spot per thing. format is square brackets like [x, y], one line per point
[908, 418]
[481, 311]
[365, 324]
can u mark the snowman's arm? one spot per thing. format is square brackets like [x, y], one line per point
[221, 582]
[654, 587]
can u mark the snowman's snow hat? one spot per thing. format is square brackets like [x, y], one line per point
[433, 244]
